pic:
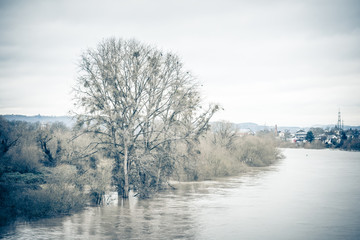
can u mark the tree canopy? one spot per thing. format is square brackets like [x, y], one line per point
[137, 101]
[309, 136]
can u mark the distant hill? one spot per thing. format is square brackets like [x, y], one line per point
[252, 126]
[346, 127]
[67, 120]
[255, 127]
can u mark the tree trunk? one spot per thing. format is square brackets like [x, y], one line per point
[158, 177]
[126, 174]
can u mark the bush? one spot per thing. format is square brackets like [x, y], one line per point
[216, 161]
[22, 197]
[257, 151]
[352, 144]
[316, 144]
[51, 201]
[99, 180]
[29, 189]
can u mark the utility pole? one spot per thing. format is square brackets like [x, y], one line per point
[339, 120]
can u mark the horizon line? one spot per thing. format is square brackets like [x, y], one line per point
[261, 125]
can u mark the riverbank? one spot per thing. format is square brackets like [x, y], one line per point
[352, 145]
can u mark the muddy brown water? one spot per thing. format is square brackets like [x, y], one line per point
[312, 194]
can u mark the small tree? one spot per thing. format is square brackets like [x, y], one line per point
[317, 131]
[287, 134]
[137, 101]
[309, 136]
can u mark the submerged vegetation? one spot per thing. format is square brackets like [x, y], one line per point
[47, 171]
[44, 171]
[224, 152]
[140, 122]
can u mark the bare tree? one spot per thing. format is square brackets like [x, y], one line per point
[287, 134]
[8, 138]
[137, 100]
[225, 134]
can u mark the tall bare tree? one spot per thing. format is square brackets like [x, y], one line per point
[137, 100]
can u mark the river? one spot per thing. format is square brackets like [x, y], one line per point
[312, 194]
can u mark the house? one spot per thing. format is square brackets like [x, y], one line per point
[300, 135]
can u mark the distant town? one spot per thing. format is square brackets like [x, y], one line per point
[329, 136]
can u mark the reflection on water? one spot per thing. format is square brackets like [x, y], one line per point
[312, 194]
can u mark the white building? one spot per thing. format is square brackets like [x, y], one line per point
[300, 135]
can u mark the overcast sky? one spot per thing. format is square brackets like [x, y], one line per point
[290, 63]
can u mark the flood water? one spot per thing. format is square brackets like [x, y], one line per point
[312, 194]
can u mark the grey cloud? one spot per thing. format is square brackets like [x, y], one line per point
[289, 45]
